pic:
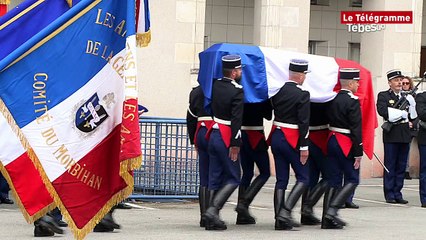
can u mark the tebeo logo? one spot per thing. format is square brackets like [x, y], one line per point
[372, 21]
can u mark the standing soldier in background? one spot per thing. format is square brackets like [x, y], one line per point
[344, 146]
[198, 123]
[318, 163]
[254, 149]
[225, 139]
[396, 139]
[289, 142]
[421, 140]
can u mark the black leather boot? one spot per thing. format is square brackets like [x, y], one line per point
[40, 231]
[285, 213]
[245, 198]
[48, 222]
[103, 226]
[212, 218]
[109, 220]
[203, 199]
[325, 223]
[279, 199]
[331, 216]
[309, 199]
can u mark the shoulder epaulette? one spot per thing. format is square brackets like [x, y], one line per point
[236, 84]
[352, 96]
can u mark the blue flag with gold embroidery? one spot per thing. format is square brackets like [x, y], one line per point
[27, 19]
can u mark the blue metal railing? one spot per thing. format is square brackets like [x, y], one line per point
[169, 163]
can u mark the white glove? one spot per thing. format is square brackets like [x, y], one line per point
[410, 100]
[404, 114]
[412, 111]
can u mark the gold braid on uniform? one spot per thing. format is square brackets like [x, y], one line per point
[7, 2]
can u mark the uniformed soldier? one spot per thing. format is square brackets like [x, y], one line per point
[289, 142]
[318, 163]
[225, 139]
[198, 123]
[396, 140]
[254, 149]
[344, 146]
[421, 140]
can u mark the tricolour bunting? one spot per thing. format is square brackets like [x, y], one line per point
[69, 94]
[266, 71]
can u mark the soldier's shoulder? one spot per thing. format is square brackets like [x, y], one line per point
[236, 85]
[351, 95]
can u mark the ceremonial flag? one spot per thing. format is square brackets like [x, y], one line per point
[266, 71]
[143, 24]
[70, 94]
[3, 6]
[24, 180]
[16, 27]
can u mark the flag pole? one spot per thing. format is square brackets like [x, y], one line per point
[380, 161]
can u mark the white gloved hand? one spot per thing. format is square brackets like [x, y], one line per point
[404, 114]
[410, 100]
[412, 111]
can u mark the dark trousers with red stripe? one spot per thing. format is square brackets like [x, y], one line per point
[203, 156]
[340, 165]
[249, 157]
[284, 156]
[318, 164]
[222, 170]
[395, 159]
[422, 177]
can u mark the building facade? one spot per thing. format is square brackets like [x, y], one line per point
[183, 28]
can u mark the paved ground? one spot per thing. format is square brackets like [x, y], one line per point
[179, 220]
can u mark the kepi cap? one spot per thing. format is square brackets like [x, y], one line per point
[231, 62]
[394, 73]
[349, 74]
[298, 65]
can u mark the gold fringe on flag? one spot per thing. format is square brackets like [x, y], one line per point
[5, 2]
[143, 39]
[30, 219]
[79, 234]
[68, 1]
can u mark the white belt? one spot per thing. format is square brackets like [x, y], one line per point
[398, 122]
[314, 128]
[221, 121]
[340, 130]
[252, 128]
[286, 125]
[205, 119]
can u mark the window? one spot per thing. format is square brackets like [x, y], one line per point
[356, 3]
[318, 47]
[354, 52]
[320, 2]
[312, 47]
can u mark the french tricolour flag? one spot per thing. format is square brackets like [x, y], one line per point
[70, 95]
[16, 27]
[266, 71]
[30, 193]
